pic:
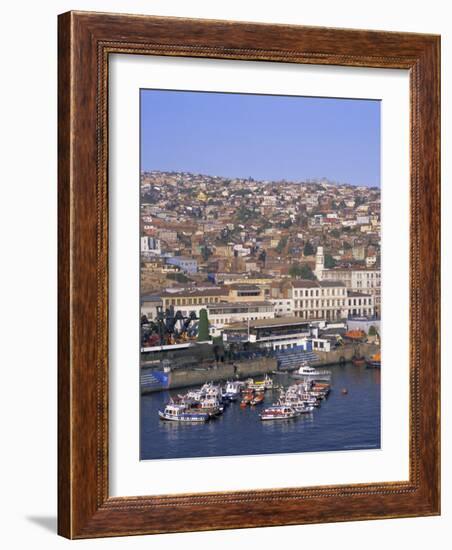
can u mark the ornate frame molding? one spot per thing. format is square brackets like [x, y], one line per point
[85, 42]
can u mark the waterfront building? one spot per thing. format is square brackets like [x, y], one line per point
[191, 299]
[226, 313]
[356, 279]
[329, 301]
[283, 307]
[240, 292]
[314, 300]
[359, 304]
[275, 334]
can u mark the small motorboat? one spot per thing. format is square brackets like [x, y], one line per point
[309, 373]
[211, 406]
[180, 413]
[232, 390]
[258, 398]
[374, 361]
[258, 385]
[278, 412]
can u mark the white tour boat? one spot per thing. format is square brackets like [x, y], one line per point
[279, 412]
[210, 405]
[179, 413]
[232, 390]
[309, 373]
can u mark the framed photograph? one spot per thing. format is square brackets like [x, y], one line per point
[248, 275]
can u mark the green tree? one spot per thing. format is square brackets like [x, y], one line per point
[281, 245]
[308, 249]
[359, 200]
[203, 326]
[301, 271]
[372, 331]
[329, 261]
[206, 253]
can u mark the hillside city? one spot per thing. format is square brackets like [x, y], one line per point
[242, 252]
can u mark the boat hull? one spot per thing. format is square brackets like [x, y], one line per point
[184, 418]
[265, 417]
[324, 377]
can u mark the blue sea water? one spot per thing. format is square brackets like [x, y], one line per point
[344, 421]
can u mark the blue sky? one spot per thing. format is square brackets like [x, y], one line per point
[262, 136]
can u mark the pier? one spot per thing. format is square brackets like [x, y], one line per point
[344, 354]
[153, 380]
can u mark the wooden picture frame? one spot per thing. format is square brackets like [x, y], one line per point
[86, 40]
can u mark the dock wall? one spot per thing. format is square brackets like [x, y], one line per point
[193, 377]
[196, 376]
[344, 354]
[181, 378]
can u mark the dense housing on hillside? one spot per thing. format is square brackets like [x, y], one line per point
[246, 250]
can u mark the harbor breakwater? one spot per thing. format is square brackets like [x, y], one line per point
[344, 354]
[193, 376]
[156, 380]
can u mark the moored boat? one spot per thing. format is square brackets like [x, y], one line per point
[278, 412]
[255, 385]
[179, 413]
[232, 390]
[309, 373]
[268, 382]
[258, 398]
[210, 405]
[374, 361]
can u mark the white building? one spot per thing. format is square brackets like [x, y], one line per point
[329, 301]
[313, 300]
[150, 305]
[151, 244]
[227, 313]
[365, 280]
[283, 307]
[359, 304]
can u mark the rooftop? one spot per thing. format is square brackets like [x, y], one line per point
[177, 293]
[150, 298]
[243, 286]
[235, 305]
[308, 283]
[269, 323]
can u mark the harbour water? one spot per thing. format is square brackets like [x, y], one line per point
[344, 421]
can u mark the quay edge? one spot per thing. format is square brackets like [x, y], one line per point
[180, 378]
